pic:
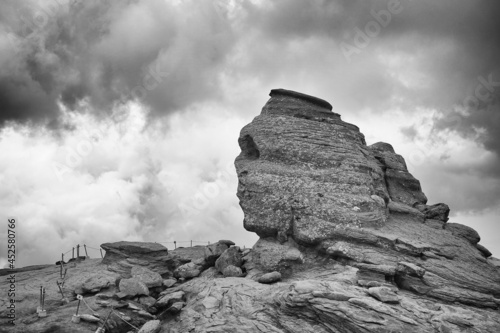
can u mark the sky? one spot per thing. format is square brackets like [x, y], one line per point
[119, 119]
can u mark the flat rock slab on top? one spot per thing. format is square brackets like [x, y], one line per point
[134, 247]
[300, 96]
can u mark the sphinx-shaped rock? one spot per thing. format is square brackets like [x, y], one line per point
[304, 173]
[308, 180]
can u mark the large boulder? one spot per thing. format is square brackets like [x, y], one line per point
[132, 287]
[214, 251]
[148, 277]
[90, 282]
[122, 256]
[232, 256]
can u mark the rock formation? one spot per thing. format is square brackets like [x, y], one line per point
[347, 243]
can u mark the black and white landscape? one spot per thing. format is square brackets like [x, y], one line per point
[120, 119]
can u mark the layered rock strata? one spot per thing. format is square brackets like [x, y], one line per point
[308, 181]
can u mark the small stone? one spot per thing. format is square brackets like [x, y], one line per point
[134, 307]
[152, 326]
[169, 282]
[147, 301]
[176, 307]
[89, 318]
[270, 277]
[170, 299]
[232, 271]
[187, 271]
[145, 314]
[102, 303]
[384, 294]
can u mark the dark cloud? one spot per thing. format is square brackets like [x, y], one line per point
[108, 52]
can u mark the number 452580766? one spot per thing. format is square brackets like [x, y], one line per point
[11, 234]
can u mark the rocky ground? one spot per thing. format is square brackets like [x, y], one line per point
[348, 243]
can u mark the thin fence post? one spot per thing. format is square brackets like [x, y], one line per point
[191, 243]
[73, 256]
[175, 244]
[62, 262]
[101, 253]
[78, 251]
[86, 254]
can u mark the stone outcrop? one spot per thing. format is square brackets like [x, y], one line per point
[308, 180]
[130, 279]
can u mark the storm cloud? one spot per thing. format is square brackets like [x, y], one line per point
[166, 55]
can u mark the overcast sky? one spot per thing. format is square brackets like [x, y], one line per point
[119, 119]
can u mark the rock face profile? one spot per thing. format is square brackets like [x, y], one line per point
[348, 243]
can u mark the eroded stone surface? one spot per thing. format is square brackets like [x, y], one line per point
[230, 257]
[308, 180]
[132, 287]
[147, 276]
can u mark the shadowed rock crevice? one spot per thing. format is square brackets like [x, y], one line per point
[248, 148]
